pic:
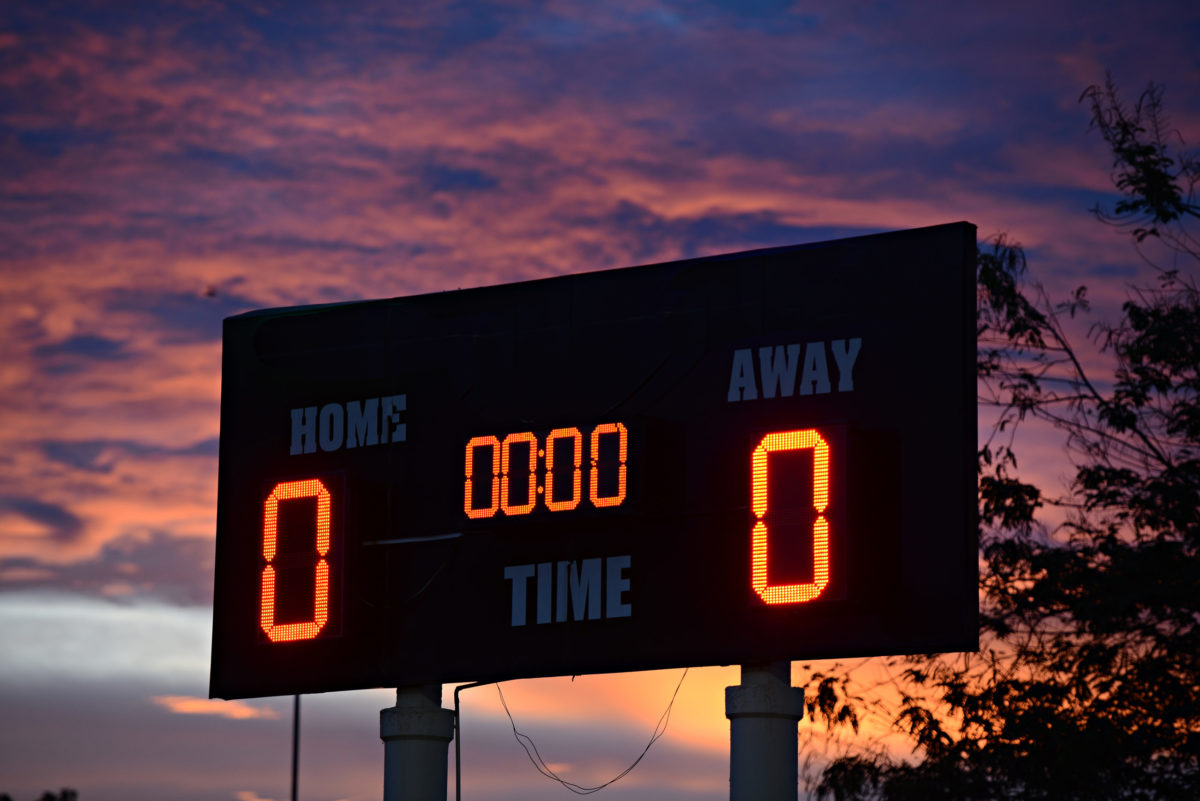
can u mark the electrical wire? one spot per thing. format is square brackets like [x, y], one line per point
[531, 750]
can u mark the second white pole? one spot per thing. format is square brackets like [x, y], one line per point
[763, 741]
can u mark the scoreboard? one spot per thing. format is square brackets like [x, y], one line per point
[759, 456]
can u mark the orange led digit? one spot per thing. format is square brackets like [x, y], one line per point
[576, 438]
[286, 491]
[614, 471]
[486, 511]
[505, 451]
[623, 452]
[760, 476]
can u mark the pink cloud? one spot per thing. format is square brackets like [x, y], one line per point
[233, 710]
[383, 157]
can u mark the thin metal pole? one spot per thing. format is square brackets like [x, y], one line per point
[457, 746]
[458, 736]
[295, 745]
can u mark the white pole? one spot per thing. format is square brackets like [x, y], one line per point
[416, 736]
[763, 712]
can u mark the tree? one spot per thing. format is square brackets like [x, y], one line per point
[1087, 685]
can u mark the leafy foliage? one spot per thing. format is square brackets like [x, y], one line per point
[1088, 683]
[1158, 188]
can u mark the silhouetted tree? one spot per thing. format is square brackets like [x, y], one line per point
[1087, 685]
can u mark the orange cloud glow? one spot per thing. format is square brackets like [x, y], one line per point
[170, 165]
[234, 710]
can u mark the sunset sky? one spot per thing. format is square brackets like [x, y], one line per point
[166, 165]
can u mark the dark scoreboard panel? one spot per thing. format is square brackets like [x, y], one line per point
[761, 456]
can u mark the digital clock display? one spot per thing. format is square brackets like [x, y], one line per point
[502, 476]
[760, 456]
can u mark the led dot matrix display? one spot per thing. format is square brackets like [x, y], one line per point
[283, 492]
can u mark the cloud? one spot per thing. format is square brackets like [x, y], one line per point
[100, 455]
[56, 522]
[123, 746]
[688, 235]
[160, 567]
[65, 638]
[191, 757]
[234, 710]
[174, 166]
[446, 178]
[180, 317]
[132, 497]
[84, 346]
[168, 166]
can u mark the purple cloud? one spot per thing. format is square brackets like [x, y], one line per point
[167, 165]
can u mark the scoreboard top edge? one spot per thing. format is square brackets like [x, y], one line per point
[965, 229]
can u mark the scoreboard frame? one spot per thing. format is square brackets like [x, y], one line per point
[759, 456]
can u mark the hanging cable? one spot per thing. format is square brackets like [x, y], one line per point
[531, 750]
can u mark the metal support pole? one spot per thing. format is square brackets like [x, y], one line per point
[763, 712]
[295, 746]
[416, 736]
